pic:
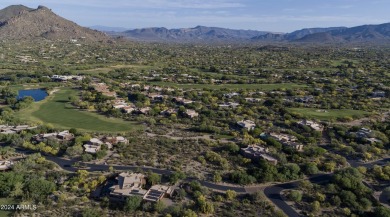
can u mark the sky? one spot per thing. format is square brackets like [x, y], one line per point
[264, 15]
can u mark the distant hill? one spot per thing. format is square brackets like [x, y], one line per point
[366, 33]
[198, 33]
[22, 23]
[299, 34]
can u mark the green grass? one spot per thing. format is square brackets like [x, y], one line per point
[31, 86]
[330, 114]
[336, 63]
[7, 201]
[57, 111]
[265, 87]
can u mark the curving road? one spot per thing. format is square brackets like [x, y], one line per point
[273, 192]
[66, 164]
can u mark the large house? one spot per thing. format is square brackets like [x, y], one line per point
[129, 184]
[288, 140]
[247, 124]
[256, 153]
[61, 136]
[5, 129]
[115, 140]
[93, 145]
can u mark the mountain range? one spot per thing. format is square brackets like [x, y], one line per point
[18, 22]
[366, 33]
[198, 33]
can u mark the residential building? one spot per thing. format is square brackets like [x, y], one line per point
[182, 101]
[157, 192]
[247, 124]
[229, 105]
[144, 110]
[129, 184]
[61, 136]
[305, 99]
[288, 140]
[253, 100]
[231, 95]
[5, 129]
[256, 153]
[379, 94]
[364, 133]
[311, 124]
[191, 113]
[93, 145]
[169, 112]
[92, 149]
[128, 109]
[115, 140]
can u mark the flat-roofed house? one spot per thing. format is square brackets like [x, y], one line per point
[129, 184]
[247, 124]
[311, 124]
[288, 140]
[191, 113]
[157, 192]
[256, 153]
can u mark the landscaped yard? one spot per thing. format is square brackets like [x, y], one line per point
[56, 110]
[265, 87]
[329, 114]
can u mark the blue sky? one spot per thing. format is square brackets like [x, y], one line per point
[269, 15]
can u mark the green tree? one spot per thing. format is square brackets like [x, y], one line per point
[159, 206]
[315, 207]
[230, 194]
[18, 190]
[38, 189]
[153, 178]
[132, 203]
[295, 196]
[217, 177]
[189, 213]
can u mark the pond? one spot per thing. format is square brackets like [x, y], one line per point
[37, 94]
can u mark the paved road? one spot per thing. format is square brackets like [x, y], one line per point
[381, 162]
[273, 192]
[66, 164]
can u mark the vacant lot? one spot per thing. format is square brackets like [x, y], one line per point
[265, 87]
[56, 110]
[329, 114]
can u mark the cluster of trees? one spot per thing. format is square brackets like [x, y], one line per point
[23, 185]
[345, 192]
